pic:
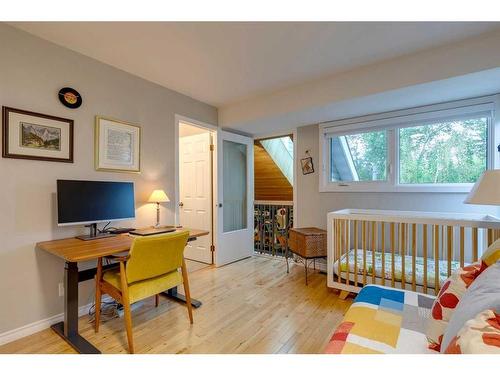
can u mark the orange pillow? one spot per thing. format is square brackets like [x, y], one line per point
[480, 335]
[447, 300]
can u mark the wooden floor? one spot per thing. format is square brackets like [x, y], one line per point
[251, 306]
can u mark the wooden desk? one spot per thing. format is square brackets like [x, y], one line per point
[73, 250]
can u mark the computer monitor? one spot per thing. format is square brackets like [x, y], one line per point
[91, 202]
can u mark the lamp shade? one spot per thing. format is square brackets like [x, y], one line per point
[486, 190]
[158, 196]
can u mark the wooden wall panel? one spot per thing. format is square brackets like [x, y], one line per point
[270, 182]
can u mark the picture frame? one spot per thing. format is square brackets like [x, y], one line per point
[36, 136]
[307, 165]
[117, 145]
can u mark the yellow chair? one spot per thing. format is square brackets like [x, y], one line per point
[151, 267]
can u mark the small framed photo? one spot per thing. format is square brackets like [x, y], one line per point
[117, 145]
[307, 165]
[35, 136]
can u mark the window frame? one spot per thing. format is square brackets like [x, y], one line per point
[392, 122]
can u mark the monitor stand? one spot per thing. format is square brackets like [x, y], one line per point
[94, 234]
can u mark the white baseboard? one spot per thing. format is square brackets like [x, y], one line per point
[35, 327]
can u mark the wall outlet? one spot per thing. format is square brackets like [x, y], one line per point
[61, 290]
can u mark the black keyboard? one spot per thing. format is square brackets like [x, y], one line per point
[119, 230]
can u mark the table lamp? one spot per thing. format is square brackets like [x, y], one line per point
[158, 196]
[486, 190]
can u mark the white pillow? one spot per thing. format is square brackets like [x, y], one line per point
[483, 294]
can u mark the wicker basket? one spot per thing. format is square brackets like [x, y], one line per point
[307, 242]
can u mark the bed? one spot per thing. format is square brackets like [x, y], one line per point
[384, 320]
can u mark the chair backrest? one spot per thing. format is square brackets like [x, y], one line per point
[152, 256]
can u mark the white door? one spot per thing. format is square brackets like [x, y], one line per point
[195, 206]
[234, 198]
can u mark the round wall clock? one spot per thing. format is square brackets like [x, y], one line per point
[70, 97]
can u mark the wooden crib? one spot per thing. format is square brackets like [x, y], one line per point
[403, 249]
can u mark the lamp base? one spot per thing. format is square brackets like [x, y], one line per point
[157, 225]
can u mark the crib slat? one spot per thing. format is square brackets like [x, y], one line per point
[436, 259]
[449, 255]
[355, 253]
[403, 254]
[474, 244]
[363, 248]
[382, 239]
[462, 246]
[336, 246]
[424, 253]
[413, 257]
[339, 243]
[393, 243]
[348, 242]
[374, 245]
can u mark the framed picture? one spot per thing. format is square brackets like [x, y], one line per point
[117, 145]
[307, 165]
[35, 136]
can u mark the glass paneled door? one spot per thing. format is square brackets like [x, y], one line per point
[234, 197]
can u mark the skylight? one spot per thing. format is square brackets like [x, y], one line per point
[281, 151]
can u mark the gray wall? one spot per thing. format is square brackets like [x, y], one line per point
[31, 73]
[313, 206]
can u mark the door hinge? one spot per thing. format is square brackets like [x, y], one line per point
[212, 147]
[212, 248]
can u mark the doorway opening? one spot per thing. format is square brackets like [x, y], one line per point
[274, 193]
[214, 191]
[196, 188]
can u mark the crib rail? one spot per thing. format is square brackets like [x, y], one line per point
[403, 249]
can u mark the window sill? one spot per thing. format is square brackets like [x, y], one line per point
[375, 188]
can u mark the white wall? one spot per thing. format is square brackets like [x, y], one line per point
[31, 73]
[313, 206]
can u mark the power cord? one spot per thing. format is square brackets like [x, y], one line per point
[108, 311]
[104, 228]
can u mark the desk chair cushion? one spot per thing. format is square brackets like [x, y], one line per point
[156, 255]
[145, 288]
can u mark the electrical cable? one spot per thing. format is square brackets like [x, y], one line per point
[103, 228]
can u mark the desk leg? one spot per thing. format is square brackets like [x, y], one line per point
[173, 294]
[68, 329]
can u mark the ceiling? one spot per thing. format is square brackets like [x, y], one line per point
[223, 63]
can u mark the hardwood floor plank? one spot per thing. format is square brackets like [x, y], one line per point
[251, 306]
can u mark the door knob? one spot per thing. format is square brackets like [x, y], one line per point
[219, 205]
[181, 204]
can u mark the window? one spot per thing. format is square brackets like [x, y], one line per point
[359, 157]
[441, 148]
[447, 152]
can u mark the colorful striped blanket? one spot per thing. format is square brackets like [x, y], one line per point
[383, 320]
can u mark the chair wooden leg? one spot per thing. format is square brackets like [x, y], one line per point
[157, 300]
[128, 326]
[185, 281]
[98, 294]
[126, 308]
